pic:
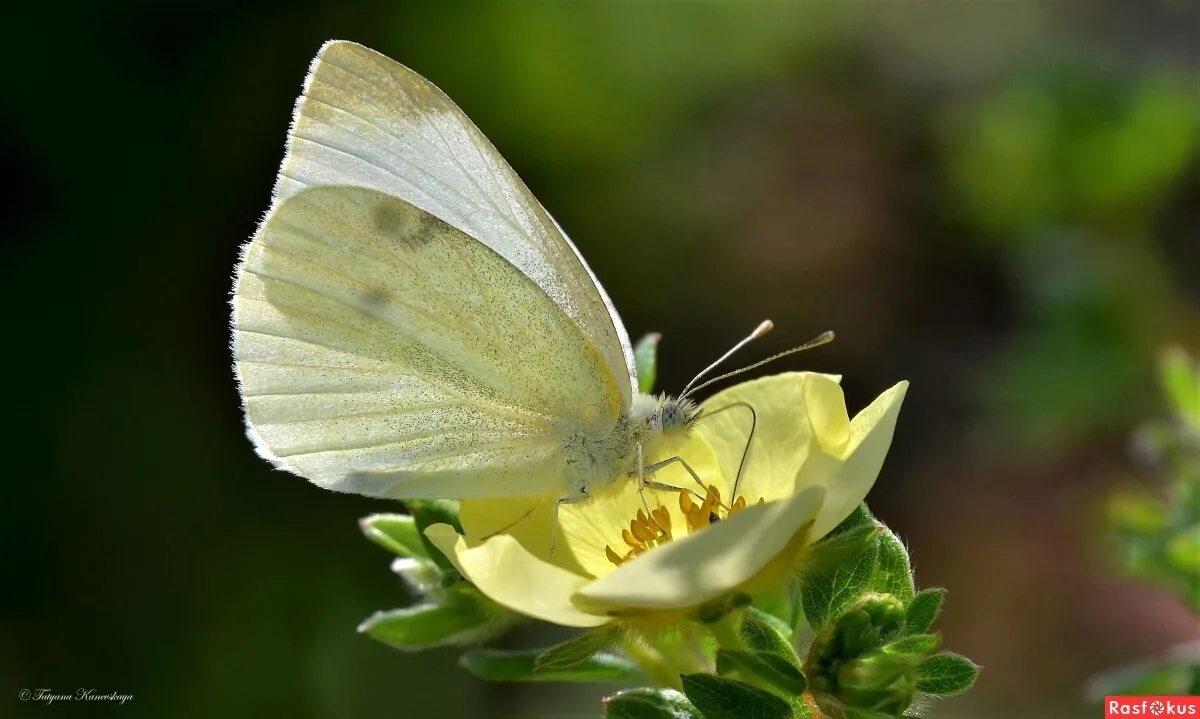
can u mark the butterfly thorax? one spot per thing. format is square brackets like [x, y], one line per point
[655, 422]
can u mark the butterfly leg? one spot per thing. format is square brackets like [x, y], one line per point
[642, 484]
[672, 488]
[574, 499]
[749, 437]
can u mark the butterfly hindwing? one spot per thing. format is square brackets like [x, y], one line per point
[385, 352]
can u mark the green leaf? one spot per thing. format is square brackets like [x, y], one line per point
[649, 703]
[719, 698]
[771, 670]
[827, 591]
[435, 511]
[396, 533]
[458, 619]
[518, 666]
[917, 645]
[576, 650]
[893, 575]
[924, 609]
[762, 632]
[946, 674]
[645, 357]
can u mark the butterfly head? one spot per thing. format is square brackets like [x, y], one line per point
[676, 415]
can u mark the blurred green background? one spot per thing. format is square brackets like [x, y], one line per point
[999, 202]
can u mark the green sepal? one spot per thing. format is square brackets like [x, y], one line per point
[770, 671]
[859, 519]
[946, 674]
[762, 632]
[720, 698]
[646, 703]
[396, 533]
[779, 605]
[519, 666]
[461, 616]
[426, 512]
[916, 645]
[645, 358]
[577, 649]
[893, 574]
[923, 610]
[829, 589]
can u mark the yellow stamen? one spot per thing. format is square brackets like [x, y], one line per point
[612, 556]
[630, 539]
[641, 528]
[648, 531]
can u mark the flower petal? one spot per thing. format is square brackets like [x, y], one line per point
[826, 407]
[705, 565]
[588, 527]
[783, 432]
[529, 520]
[510, 575]
[849, 474]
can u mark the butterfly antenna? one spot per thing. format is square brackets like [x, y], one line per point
[821, 339]
[763, 327]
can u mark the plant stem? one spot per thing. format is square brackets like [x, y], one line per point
[725, 632]
[652, 663]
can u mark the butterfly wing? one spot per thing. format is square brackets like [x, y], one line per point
[368, 121]
[384, 352]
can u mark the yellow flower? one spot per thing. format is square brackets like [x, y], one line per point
[807, 467]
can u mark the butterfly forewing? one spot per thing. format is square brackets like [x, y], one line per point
[367, 121]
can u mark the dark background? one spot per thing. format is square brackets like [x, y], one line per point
[999, 202]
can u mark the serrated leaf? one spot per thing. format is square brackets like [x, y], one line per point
[772, 670]
[396, 533]
[720, 698]
[518, 666]
[645, 357]
[576, 650]
[946, 674]
[646, 703]
[916, 645]
[435, 511]
[762, 632]
[828, 591]
[429, 625]
[893, 574]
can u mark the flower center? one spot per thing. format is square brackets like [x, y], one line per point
[648, 531]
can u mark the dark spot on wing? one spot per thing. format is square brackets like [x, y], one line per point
[404, 225]
[376, 298]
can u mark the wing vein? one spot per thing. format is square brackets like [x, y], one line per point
[445, 143]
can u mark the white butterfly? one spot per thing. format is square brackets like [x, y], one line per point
[409, 321]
